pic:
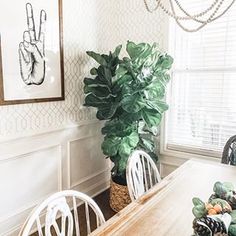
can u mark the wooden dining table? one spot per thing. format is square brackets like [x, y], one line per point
[167, 208]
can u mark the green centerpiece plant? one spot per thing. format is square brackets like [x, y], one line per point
[217, 216]
[129, 95]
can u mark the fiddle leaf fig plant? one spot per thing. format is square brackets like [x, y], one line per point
[129, 94]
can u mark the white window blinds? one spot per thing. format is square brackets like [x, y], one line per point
[202, 97]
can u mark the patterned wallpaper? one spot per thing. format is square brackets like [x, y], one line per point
[88, 25]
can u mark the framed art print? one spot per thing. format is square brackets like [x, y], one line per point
[31, 51]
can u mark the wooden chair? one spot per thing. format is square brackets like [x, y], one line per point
[141, 174]
[229, 152]
[57, 206]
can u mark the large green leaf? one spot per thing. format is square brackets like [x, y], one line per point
[147, 144]
[110, 145]
[124, 149]
[97, 57]
[160, 106]
[128, 144]
[96, 81]
[133, 103]
[117, 51]
[105, 75]
[151, 117]
[118, 128]
[151, 60]
[120, 83]
[165, 78]
[93, 71]
[132, 139]
[156, 90]
[98, 91]
[153, 130]
[131, 117]
[88, 81]
[106, 112]
[134, 50]
[165, 62]
[127, 90]
[145, 55]
[120, 71]
[93, 101]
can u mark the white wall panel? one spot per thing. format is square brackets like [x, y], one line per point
[28, 179]
[86, 159]
[32, 168]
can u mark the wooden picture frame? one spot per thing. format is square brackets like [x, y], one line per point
[42, 82]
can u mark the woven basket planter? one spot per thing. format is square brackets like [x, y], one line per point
[119, 196]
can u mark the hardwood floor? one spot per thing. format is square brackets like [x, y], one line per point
[103, 202]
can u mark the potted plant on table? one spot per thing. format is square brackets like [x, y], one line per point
[129, 94]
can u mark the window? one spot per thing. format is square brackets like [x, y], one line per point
[202, 94]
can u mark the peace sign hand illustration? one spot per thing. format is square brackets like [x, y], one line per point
[31, 50]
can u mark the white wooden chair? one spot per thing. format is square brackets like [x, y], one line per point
[141, 174]
[57, 206]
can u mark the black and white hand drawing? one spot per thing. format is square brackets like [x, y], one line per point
[32, 65]
[31, 49]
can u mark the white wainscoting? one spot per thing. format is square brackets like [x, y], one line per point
[168, 163]
[34, 167]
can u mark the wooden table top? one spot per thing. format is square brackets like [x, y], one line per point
[167, 208]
